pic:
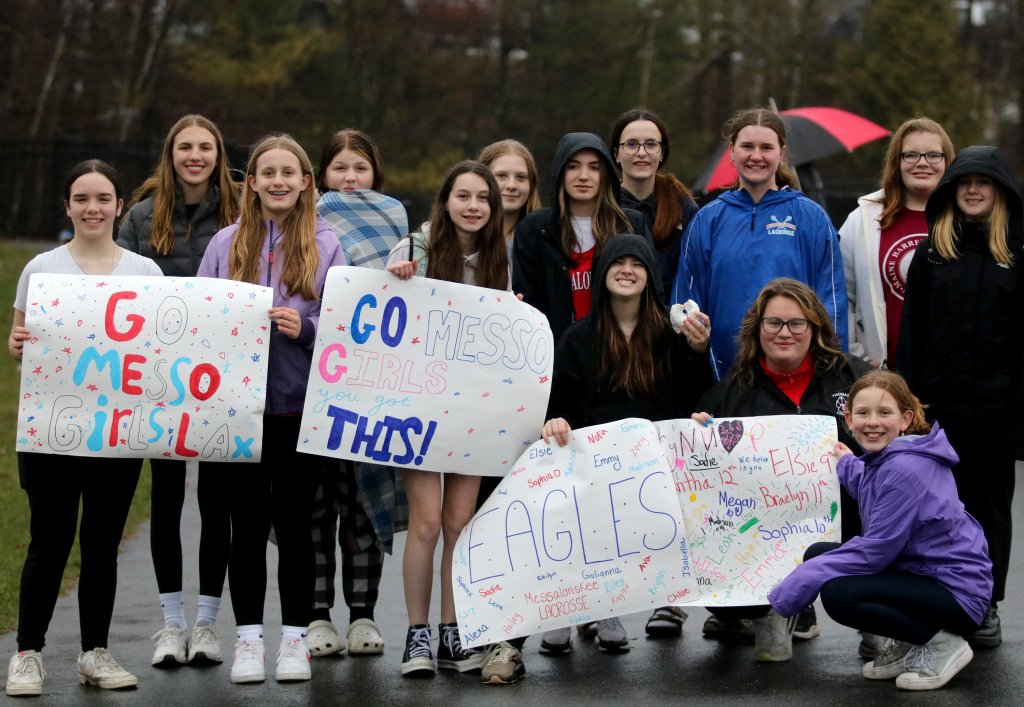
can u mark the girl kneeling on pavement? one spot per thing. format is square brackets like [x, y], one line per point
[919, 572]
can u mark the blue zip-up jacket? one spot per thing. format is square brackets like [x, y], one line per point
[734, 247]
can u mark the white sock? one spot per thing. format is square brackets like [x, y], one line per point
[290, 633]
[174, 609]
[208, 608]
[250, 632]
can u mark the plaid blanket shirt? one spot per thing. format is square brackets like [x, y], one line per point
[367, 223]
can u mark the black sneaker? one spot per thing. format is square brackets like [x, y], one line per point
[729, 630]
[990, 633]
[450, 653]
[807, 625]
[418, 659]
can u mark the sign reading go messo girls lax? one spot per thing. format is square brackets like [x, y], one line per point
[160, 367]
[425, 374]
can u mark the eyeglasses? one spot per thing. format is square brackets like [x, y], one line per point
[631, 147]
[929, 157]
[773, 325]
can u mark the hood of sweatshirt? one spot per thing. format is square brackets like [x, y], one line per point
[933, 445]
[618, 246]
[569, 145]
[977, 159]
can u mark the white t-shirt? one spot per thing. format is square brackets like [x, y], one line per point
[59, 262]
[584, 228]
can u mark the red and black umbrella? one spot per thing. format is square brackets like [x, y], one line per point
[811, 134]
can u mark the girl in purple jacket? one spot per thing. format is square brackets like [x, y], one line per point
[919, 572]
[278, 242]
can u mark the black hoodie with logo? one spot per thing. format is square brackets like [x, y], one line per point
[540, 268]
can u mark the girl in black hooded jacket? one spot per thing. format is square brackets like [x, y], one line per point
[960, 344]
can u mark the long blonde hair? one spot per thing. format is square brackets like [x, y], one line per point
[894, 191]
[301, 257]
[162, 186]
[944, 231]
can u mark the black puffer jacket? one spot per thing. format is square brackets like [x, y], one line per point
[960, 345]
[540, 268]
[576, 390]
[190, 237]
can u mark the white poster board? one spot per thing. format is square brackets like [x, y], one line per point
[159, 367]
[425, 374]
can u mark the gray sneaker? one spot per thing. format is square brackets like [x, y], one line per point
[888, 662]
[98, 667]
[773, 638]
[556, 641]
[503, 665]
[871, 645]
[932, 665]
[611, 636]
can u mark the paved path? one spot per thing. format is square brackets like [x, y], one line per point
[692, 670]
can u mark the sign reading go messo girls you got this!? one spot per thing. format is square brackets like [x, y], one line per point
[155, 367]
[425, 374]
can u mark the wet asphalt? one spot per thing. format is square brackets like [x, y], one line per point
[689, 670]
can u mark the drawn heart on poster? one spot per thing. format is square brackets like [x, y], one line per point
[730, 432]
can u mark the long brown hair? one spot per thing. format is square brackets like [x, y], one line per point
[825, 352]
[764, 117]
[608, 217]
[894, 192]
[301, 257]
[360, 143]
[669, 192]
[513, 147]
[893, 384]
[638, 364]
[445, 260]
[161, 185]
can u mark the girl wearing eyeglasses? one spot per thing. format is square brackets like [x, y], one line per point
[761, 230]
[788, 362]
[880, 236]
[640, 146]
[961, 342]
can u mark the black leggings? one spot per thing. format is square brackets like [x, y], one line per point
[55, 484]
[278, 490]
[165, 526]
[902, 605]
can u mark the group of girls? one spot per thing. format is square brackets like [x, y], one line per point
[599, 263]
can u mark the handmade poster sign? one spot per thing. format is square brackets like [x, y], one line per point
[755, 492]
[634, 515]
[425, 374]
[574, 534]
[160, 367]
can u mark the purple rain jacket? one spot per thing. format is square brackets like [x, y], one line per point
[288, 367]
[913, 521]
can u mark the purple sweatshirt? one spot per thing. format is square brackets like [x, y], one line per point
[913, 521]
[288, 367]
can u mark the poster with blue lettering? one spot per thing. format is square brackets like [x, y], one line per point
[755, 492]
[574, 534]
[425, 374]
[160, 367]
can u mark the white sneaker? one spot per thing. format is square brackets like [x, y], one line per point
[171, 647]
[932, 665]
[98, 667]
[247, 663]
[323, 639]
[204, 648]
[773, 638]
[25, 674]
[293, 660]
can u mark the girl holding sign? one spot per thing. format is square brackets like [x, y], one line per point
[368, 224]
[919, 572]
[278, 242]
[57, 484]
[172, 218]
[624, 360]
[961, 341]
[465, 244]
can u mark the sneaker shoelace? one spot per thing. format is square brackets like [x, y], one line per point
[247, 650]
[171, 634]
[29, 666]
[420, 643]
[292, 650]
[920, 658]
[105, 663]
[204, 633]
[453, 643]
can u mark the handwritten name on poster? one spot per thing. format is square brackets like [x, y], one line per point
[144, 367]
[755, 492]
[574, 534]
[425, 374]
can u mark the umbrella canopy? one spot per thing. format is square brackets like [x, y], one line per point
[811, 134]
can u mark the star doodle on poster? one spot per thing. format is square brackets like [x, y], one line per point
[483, 297]
[37, 370]
[81, 298]
[208, 298]
[232, 412]
[252, 295]
[521, 408]
[102, 284]
[67, 350]
[415, 340]
[255, 358]
[32, 431]
[91, 336]
[55, 302]
[59, 322]
[92, 387]
[341, 327]
[470, 431]
[543, 379]
[485, 394]
[507, 380]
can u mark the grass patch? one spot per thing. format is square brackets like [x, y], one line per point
[14, 516]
